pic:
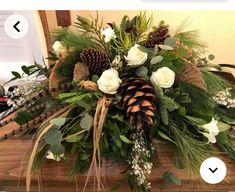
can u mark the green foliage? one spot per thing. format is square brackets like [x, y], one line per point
[58, 121]
[190, 149]
[73, 40]
[53, 136]
[203, 107]
[189, 38]
[170, 178]
[86, 122]
[227, 114]
[213, 82]
[66, 68]
[226, 145]
[130, 32]
[170, 101]
[35, 69]
[170, 41]
[92, 30]
[170, 60]
[22, 117]
[156, 59]
[81, 98]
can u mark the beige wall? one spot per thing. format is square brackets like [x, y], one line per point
[217, 28]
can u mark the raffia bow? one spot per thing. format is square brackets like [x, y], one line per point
[100, 115]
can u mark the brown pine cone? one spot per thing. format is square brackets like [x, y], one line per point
[138, 101]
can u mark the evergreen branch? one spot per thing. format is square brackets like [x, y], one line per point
[93, 30]
[189, 38]
[214, 83]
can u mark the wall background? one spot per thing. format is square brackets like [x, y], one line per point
[217, 28]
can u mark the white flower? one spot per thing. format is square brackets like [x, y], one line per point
[135, 56]
[108, 34]
[164, 77]
[58, 48]
[109, 82]
[212, 129]
[52, 156]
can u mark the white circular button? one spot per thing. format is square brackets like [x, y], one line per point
[16, 26]
[213, 170]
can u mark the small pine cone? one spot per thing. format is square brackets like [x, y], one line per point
[96, 60]
[157, 36]
[191, 74]
[81, 72]
[138, 101]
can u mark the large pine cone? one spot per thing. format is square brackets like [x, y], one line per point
[138, 101]
[191, 74]
[157, 36]
[96, 60]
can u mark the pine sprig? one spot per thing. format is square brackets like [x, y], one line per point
[189, 38]
[92, 29]
[213, 82]
[73, 40]
[190, 150]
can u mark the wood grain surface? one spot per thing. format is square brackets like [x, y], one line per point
[15, 152]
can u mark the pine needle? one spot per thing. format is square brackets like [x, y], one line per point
[189, 38]
[226, 145]
[74, 40]
[214, 82]
[190, 151]
[201, 105]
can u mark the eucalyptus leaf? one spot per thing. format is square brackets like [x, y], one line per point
[86, 122]
[156, 59]
[142, 71]
[156, 49]
[95, 78]
[143, 49]
[58, 121]
[211, 57]
[170, 41]
[166, 47]
[57, 149]
[171, 178]
[53, 136]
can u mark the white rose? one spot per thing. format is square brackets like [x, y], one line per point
[135, 56]
[54, 157]
[108, 34]
[164, 77]
[58, 48]
[109, 82]
[212, 130]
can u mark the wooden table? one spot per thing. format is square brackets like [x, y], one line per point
[13, 160]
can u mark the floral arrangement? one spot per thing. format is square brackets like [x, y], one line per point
[118, 91]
